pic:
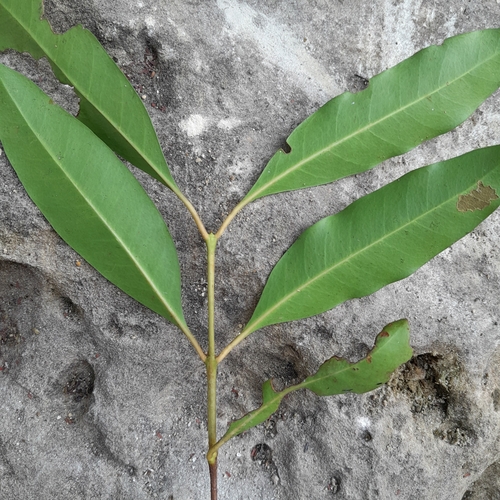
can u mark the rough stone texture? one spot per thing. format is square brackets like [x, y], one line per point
[102, 399]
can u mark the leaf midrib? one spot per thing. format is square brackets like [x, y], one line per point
[360, 131]
[99, 214]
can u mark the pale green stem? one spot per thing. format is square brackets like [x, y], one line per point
[211, 364]
[192, 211]
[239, 338]
[231, 216]
[211, 245]
[187, 332]
[194, 214]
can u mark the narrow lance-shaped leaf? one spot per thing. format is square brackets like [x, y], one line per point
[424, 96]
[380, 238]
[89, 197]
[109, 104]
[336, 376]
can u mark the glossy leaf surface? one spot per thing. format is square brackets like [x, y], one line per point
[338, 376]
[89, 197]
[109, 104]
[381, 238]
[424, 96]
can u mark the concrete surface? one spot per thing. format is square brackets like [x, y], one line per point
[102, 399]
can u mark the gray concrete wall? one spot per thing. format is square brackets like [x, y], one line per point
[102, 399]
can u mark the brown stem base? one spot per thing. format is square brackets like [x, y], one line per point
[213, 480]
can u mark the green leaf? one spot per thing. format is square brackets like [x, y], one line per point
[424, 96]
[109, 105]
[89, 197]
[380, 238]
[337, 376]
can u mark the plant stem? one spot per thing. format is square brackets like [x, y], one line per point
[240, 337]
[192, 211]
[231, 216]
[213, 480]
[211, 364]
[211, 245]
[187, 332]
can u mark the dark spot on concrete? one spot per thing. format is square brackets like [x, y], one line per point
[80, 381]
[357, 83]
[270, 430]
[334, 484]
[19, 307]
[436, 388]
[455, 434]
[366, 436]
[70, 309]
[9, 334]
[77, 386]
[424, 379]
[495, 395]
[115, 325]
[262, 453]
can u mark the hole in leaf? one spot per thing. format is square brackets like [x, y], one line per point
[477, 199]
[286, 148]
